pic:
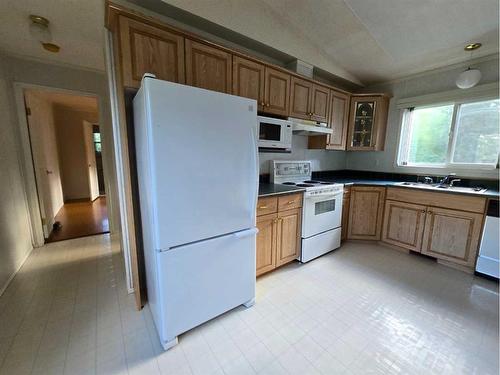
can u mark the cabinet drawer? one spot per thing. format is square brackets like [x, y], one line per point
[287, 202]
[267, 205]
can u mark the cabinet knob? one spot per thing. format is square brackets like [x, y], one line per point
[263, 104]
[290, 202]
[262, 207]
[423, 211]
[267, 104]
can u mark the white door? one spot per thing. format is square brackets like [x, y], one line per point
[45, 158]
[203, 157]
[88, 134]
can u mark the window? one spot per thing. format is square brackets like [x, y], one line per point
[97, 142]
[452, 134]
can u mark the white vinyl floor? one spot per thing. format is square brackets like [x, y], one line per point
[363, 309]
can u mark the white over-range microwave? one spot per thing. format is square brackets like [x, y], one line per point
[274, 134]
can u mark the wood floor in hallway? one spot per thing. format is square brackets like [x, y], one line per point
[80, 219]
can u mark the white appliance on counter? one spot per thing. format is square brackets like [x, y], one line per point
[321, 209]
[198, 180]
[274, 134]
[488, 262]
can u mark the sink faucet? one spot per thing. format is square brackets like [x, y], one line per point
[447, 179]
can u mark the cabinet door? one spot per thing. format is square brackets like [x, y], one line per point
[208, 67]
[404, 224]
[339, 119]
[365, 212]
[345, 212]
[288, 245]
[266, 243]
[367, 122]
[147, 49]
[320, 99]
[452, 235]
[300, 98]
[277, 92]
[248, 79]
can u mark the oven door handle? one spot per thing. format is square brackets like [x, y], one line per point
[324, 197]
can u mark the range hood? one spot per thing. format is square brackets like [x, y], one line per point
[309, 128]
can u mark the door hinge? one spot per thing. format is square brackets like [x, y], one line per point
[28, 111]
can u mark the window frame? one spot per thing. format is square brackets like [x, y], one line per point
[452, 137]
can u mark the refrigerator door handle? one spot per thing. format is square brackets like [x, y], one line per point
[246, 233]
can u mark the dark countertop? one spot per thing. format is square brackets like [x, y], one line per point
[490, 193]
[266, 189]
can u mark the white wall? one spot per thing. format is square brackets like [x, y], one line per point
[432, 82]
[72, 153]
[15, 235]
[45, 155]
[322, 160]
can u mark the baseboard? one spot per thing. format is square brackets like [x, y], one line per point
[9, 280]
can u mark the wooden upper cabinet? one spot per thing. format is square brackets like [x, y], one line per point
[208, 67]
[404, 224]
[320, 98]
[300, 98]
[308, 100]
[367, 122]
[365, 212]
[148, 49]
[248, 80]
[452, 235]
[277, 92]
[338, 120]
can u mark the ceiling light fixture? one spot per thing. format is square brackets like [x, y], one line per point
[470, 77]
[39, 29]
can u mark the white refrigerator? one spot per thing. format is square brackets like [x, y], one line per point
[197, 166]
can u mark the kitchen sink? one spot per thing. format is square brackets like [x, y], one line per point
[458, 189]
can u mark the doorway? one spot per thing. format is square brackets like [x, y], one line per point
[66, 150]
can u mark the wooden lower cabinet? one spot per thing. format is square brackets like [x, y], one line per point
[289, 226]
[365, 212]
[404, 224]
[444, 233]
[278, 240]
[266, 243]
[452, 235]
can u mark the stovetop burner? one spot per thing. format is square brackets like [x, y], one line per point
[289, 183]
[304, 185]
[312, 182]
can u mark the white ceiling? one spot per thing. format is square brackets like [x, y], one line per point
[363, 41]
[76, 26]
[374, 40]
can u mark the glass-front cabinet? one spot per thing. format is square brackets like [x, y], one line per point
[367, 122]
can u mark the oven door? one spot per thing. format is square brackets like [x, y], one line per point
[321, 213]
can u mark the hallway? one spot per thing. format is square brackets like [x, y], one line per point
[80, 219]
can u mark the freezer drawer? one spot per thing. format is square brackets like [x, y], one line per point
[203, 280]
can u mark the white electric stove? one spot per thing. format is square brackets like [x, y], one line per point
[322, 208]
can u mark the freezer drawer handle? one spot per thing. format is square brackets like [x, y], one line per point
[246, 233]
